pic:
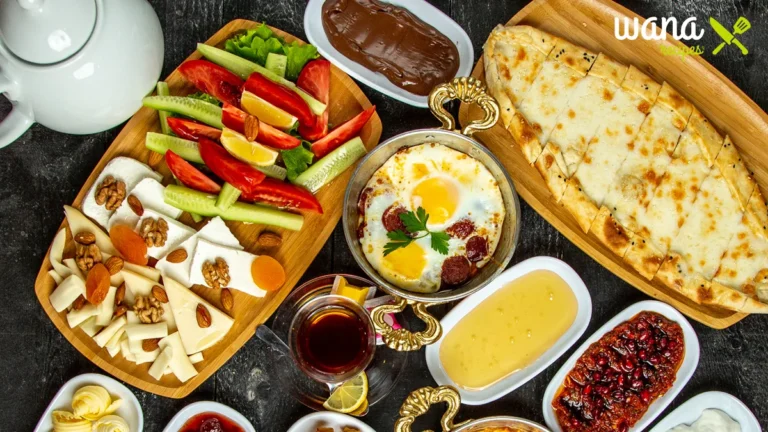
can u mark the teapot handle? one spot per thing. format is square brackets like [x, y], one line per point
[19, 119]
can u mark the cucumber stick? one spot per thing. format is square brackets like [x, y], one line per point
[276, 63]
[274, 171]
[186, 149]
[199, 110]
[195, 217]
[162, 90]
[243, 68]
[228, 196]
[331, 165]
[201, 203]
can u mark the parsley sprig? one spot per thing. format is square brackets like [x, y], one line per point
[416, 224]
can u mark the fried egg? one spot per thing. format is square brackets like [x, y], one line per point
[460, 197]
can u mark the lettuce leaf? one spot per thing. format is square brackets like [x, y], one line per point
[298, 56]
[205, 97]
[297, 160]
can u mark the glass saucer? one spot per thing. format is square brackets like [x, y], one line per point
[385, 369]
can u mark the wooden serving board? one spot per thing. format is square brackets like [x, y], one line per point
[589, 23]
[297, 251]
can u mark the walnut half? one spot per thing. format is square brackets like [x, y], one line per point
[110, 193]
[86, 256]
[216, 274]
[154, 232]
[148, 309]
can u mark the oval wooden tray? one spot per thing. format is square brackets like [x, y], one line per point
[589, 23]
[296, 253]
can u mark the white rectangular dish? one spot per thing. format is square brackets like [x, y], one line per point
[516, 379]
[690, 411]
[688, 366]
[130, 410]
[313, 26]
[196, 408]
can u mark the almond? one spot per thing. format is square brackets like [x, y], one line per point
[120, 310]
[154, 159]
[150, 345]
[135, 205]
[203, 316]
[120, 294]
[85, 237]
[177, 256]
[114, 265]
[269, 239]
[78, 303]
[159, 293]
[227, 301]
[251, 127]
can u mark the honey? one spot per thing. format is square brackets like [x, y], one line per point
[509, 330]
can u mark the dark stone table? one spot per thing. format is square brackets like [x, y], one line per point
[44, 170]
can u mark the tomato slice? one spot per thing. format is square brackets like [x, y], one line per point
[281, 194]
[315, 79]
[188, 175]
[281, 97]
[238, 174]
[342, 134]
[192, 130]
[234, 118]
[213, 79]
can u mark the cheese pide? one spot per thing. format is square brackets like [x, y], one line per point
[636, 164]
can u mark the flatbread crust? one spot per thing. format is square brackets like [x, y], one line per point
[735, 173]
[551, 166]
[643, 256]
[578, 203]
[610, 232]
[710, 139]
[757, 214]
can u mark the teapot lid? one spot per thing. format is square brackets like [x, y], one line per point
[46, 31]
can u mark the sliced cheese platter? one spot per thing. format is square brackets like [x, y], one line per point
[612, 192]
[154, 277]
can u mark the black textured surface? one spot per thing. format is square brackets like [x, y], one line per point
[45, 169]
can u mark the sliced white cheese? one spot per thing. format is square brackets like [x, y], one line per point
[138, 285]
[113, 350]
[126, 351]
[90, 327]
[180, 364]
[77, 317]
[150, 193]
[184, 306]
[215, 231]
[57, 252]
[146, 331]
[163, 361]
[79, 223]
[196, 357]
[136, 347]
[105, 335]
[55, 276]
[67, 292]
[239, 263]
[73, 268]
[114, 341]
[126, 169]
[132, 318]
[177, 234]
[147, 357]
[107, 308]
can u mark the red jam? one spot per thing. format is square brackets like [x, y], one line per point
[210, 422]
[618, 377]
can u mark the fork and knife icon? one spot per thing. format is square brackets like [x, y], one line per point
[741, 26]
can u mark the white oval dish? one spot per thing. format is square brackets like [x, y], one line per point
[207, 406]
[313, 26]
[690, 411]
[310, 422]
[690, 361]
[130, 410]
[516, 379]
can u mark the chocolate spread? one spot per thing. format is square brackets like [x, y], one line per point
[388, 39]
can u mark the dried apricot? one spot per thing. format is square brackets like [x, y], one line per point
[129, 243]
[97, 284]
[267, 273]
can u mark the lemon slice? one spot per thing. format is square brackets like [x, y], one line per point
[341, 287]
[349, 396]
[247, 151]
[360, 411]
[266, 112]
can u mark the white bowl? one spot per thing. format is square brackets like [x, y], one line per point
[196, 408]
[310, 422]
[690, 411]
[313, 26]
[690, 361]
[130, 410]
[515, 380]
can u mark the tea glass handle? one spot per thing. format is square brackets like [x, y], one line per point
[17, 121]
[419, 401]
[467, 90]
[402, 339]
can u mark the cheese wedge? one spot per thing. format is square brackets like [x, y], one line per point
[57, 252]
[79, 223]
[106, 308]
[163, 361]
[138, 285]
[90, 327]
[180, 364]
[77, 317]
[67, 292]
[105, 335]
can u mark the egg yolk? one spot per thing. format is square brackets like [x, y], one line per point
[408, 261]
[438, 196]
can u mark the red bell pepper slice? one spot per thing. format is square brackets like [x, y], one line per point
[315, 79]
[238, 174]
[281, 97]
[282, 194]
[342, 134]
[213, 79]
[234, 118]
[192, 130]
[188, 175]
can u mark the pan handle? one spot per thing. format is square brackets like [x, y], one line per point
[419, 401]
[402, 339]
[468, 90]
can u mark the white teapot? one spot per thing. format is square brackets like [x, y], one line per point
[76, 66]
